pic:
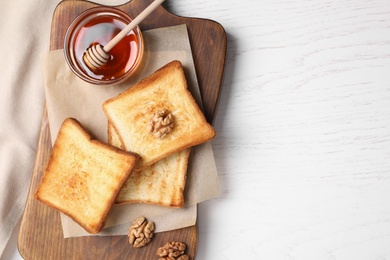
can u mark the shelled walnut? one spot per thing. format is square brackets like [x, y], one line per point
[140, 232]
[161, 123]
[173, 251]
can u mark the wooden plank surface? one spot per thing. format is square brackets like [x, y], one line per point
[40, 235]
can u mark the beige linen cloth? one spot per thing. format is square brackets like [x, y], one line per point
[25, 34]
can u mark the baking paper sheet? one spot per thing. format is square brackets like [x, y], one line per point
[69, 96]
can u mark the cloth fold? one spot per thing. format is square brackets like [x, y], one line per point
[25, 30]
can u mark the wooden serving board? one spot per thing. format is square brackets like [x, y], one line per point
[40, 235]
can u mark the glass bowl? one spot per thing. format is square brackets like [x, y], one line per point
[100, 25]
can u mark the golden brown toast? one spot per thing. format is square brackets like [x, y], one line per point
[83, 176]
[161, 184]
[132, 112]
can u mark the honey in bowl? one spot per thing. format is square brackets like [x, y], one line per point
[122, 56]
[98, 26]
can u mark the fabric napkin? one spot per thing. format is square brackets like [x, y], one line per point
[24, 30]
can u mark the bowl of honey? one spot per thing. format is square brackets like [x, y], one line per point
[99, 25]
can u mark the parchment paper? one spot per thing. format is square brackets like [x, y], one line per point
[69, 96]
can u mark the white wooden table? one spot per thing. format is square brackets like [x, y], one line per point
[303, 131]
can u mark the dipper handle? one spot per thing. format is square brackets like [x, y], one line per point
[131, 25]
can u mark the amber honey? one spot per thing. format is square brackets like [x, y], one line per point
[99, 26]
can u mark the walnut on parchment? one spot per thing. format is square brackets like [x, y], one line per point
[140, 232]
[173, 251]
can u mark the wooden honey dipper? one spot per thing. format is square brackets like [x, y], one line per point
[97, 55]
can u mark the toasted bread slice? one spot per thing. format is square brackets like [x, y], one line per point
[131, 113]
[161, 184]
[83, 176]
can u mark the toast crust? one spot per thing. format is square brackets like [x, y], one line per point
[162, 183]
[83, 176]
[131, 111]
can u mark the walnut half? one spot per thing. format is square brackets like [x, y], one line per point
[173, 251]
[161, 123]
[140, 232]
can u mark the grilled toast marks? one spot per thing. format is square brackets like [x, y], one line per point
[83, 176]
